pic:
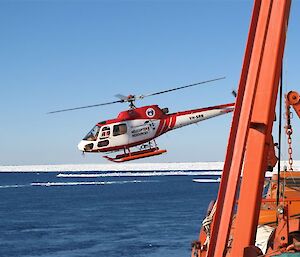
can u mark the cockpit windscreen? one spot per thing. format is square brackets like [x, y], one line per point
[93, 134]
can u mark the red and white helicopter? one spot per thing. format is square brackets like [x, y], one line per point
[139, 126]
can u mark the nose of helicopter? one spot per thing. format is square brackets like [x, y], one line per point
[85, 146]
[81, 145]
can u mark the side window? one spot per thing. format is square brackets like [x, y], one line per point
[120, 129]
[103, 143]
[105, 132]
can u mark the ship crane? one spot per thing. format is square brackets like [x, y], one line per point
[235, 221]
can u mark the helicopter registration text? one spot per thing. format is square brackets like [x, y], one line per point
[199, 116]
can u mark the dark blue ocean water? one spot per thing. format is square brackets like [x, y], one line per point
[108, 216]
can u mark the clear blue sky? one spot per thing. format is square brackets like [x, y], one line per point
[60, 54]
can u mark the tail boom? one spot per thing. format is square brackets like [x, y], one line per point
[180, 119]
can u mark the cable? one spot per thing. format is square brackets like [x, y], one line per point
[279, 138]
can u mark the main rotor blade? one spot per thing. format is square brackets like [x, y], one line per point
[122, 97]
[177, 88]
[84, 107]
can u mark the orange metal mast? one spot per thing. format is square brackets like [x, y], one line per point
[250, 136]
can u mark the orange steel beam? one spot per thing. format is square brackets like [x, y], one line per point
[232, 136]
[259, 138]
[253, 119]
[243, 127]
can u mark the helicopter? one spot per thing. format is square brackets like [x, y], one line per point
[140, 126]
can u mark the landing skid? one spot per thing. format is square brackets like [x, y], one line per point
[136, 155]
